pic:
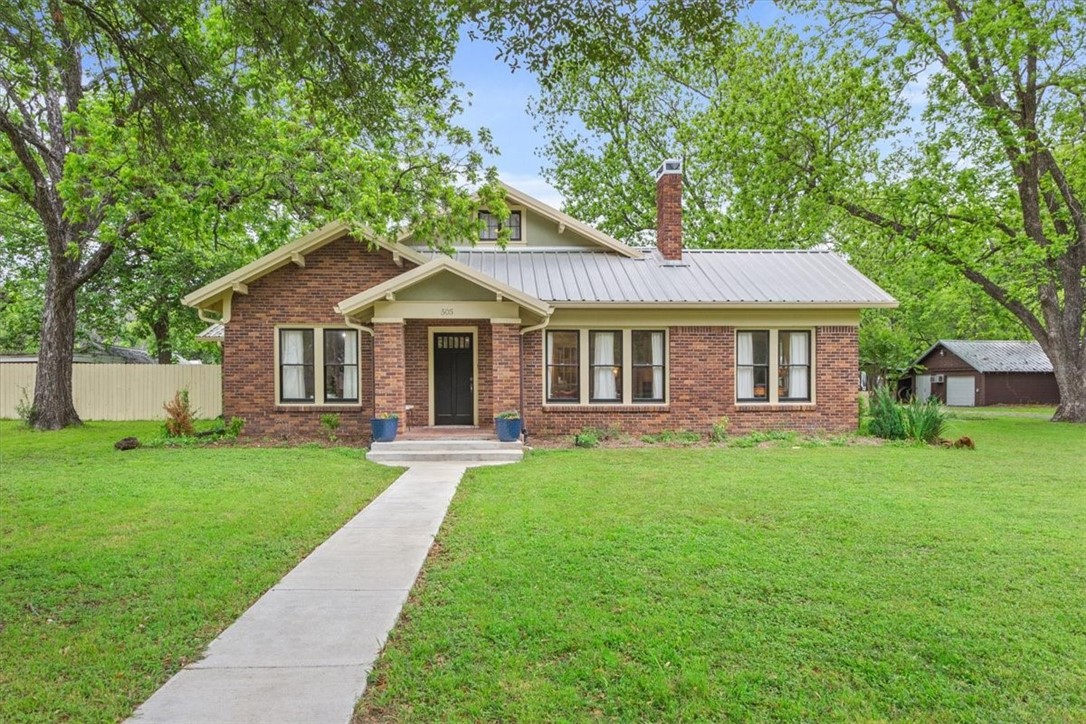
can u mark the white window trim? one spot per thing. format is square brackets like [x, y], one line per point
[627, 367]
[522, 241]
[774, 366]
[318, 368]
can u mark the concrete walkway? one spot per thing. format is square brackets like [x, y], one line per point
[303, 651]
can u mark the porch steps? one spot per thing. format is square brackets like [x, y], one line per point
[468, 452]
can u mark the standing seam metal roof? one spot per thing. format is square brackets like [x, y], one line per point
[703, 276]
[998, 355]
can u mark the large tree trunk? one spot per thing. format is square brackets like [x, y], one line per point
[161, 330]
[1069, 364]
[53, 407]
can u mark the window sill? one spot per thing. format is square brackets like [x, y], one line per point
[315, 407]
[606, 406]
[763, 406]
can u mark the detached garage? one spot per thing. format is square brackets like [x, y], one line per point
[965, 373]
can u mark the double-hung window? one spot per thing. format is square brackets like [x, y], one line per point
[563, 366]
[340, 365]
[752, 366]
[648, 365]
[318, 359]
[605, 366]
[794, 366]
[296, 365]
[773, 366]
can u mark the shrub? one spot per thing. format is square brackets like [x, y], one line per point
[586, 438]
[925, 421]
[24, 408]
[719, 433]
[330, 421]
[682, 437]
[886, 419]
[233, 428]
[179, 415]
[863, 414]
[759, 436]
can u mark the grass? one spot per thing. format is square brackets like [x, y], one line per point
[800, 583]
[117, 568]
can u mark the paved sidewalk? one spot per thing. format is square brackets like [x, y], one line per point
[302, 652]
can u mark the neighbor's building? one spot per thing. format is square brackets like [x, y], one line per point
[566, 324]
[965, 373]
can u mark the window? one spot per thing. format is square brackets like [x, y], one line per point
[648, 366]
[296, 365]
[492, 226]
[324, 359]
[773, 365]
[340, 365]
[794, 366]
[605, 365]
[563, 366]
[752, 366]
[620, 366]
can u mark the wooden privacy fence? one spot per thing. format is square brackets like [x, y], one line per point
[121, 392]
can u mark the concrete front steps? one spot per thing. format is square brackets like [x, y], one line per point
[402, 453]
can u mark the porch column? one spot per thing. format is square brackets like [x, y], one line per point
[505, 363]
[388, 369]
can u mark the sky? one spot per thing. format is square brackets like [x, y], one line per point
[500, 102]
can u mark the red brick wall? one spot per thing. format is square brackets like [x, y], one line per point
[702, 389]
[389, 387]
[506, 366]
[303, 296]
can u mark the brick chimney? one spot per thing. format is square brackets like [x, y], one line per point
[669, 209]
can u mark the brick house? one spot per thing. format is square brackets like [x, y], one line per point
[566, 324]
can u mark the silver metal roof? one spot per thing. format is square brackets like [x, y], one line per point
[999, 355]
[215, 333]
[702, 277]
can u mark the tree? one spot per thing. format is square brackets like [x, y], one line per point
[124, 121]
[813, 138]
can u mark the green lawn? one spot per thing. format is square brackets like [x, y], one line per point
[865, 583]
[116, 568]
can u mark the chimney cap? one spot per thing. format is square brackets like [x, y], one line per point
[669, 166]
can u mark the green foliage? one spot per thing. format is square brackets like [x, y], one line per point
[925, 420]
[24, 408]
[330, 421]
[673, 437]
[179, 415]
[756, 438]
[508, 415]
[588, 437]
[887, 420]
[863, 414]
[388, 416]
[719, 433]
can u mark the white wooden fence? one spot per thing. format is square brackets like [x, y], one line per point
[121, 392]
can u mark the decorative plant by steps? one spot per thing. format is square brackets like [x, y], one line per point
[508, 425]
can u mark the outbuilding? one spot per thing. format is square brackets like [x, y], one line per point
[968, 373]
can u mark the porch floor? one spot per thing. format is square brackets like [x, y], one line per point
[448, 432]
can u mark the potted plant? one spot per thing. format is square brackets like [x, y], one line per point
[508, 425]
[384, 426]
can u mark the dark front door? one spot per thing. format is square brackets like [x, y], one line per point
[453, 383]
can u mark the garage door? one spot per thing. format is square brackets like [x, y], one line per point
[960, 391]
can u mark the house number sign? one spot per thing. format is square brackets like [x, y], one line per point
[448, 311]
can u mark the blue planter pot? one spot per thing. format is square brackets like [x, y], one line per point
[508, 429]
[384, 430]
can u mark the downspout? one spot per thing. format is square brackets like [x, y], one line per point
[526, 330]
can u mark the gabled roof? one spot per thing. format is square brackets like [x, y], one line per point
[518, 198]
[293, 252]
[432, 268]
[566, 277]
[996, 355]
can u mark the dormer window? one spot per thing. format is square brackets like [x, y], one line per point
[492, 226]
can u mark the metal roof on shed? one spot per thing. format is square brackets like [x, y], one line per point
[997, 355]
[702, 277]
